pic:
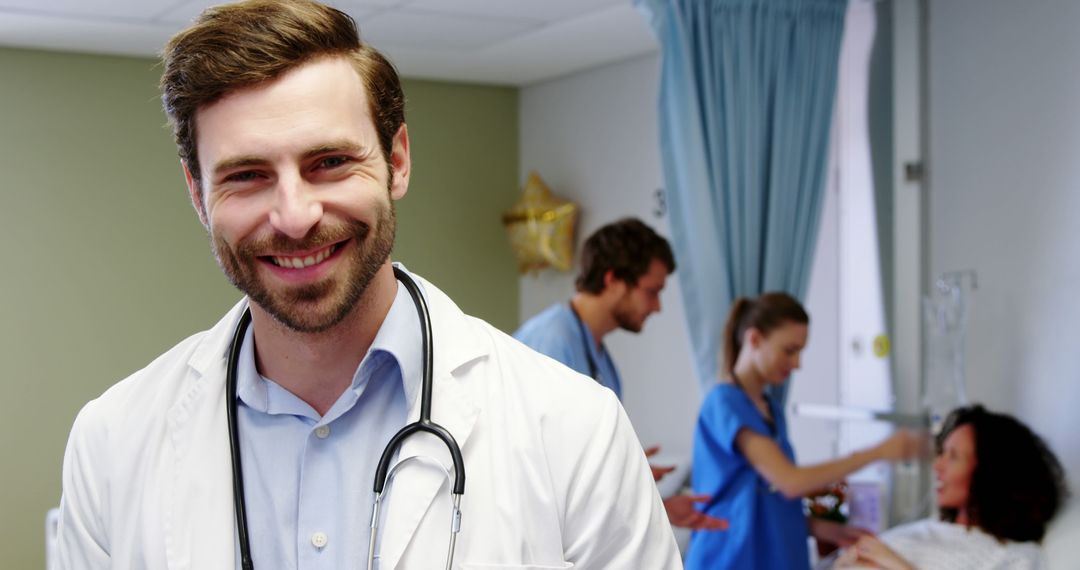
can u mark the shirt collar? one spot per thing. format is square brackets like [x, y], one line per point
[397, 338]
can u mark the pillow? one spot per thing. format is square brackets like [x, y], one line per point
[1062, 541]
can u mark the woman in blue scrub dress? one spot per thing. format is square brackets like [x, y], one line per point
[742, 456]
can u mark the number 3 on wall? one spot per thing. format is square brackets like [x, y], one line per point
[660, 209]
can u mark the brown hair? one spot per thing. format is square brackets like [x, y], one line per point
[1017, 485]
[627, 248]
[764, 313]
[235, 46]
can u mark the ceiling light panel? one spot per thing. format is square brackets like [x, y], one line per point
[543, 10]
[420, 30]
[89, 9]
[186, 12]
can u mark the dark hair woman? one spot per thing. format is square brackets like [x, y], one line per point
[998, 485]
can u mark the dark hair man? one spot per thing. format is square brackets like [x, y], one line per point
[293, 142]
[624, 267]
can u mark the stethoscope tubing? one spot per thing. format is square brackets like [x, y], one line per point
[424, 424]
[239, 505]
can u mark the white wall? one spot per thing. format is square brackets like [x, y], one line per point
[593, 138]
[818, 381]
[1004, 148]
[1004, 184]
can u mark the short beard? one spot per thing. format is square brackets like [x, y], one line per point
[625, 320]
[296, 307]
[626, 324]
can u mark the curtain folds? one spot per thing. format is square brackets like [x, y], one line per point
[745, 107]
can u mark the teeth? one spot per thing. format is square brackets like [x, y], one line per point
[302, 262]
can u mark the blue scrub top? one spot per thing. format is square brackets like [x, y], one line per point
[557, 332]
[767, 530]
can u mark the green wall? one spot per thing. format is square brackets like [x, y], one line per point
[105, 265]
[464, 174]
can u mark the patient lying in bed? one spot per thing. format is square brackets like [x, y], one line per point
[998, 486]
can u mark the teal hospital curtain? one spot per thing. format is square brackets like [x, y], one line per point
[745, 106]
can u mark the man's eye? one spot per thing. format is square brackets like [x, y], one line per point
[245, 176]
[332, 161]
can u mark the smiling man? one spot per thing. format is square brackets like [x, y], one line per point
[294, 147]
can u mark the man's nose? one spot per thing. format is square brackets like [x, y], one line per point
[296, 209]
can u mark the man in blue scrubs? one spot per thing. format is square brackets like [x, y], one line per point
[624, 267]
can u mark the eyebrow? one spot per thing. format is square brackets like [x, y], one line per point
[345, 146]
[342, 146]
[237, 162]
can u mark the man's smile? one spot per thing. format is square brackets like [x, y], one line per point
[302, 261]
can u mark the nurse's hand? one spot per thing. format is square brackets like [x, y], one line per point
[681, 513]
[658, 471]
[904, 445]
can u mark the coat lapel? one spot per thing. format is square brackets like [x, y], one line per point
[200, 528]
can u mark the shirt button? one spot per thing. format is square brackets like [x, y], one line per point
[318, 540]
[322, 432]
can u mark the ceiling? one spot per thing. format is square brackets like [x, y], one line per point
[503, 42]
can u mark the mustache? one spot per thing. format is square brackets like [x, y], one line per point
[319, 237]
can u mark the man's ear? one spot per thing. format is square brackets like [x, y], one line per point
[195, 193]
[611, 282]
[401, 162]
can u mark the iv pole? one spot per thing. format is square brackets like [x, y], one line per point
[942, 385]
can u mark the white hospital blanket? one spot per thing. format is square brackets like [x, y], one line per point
[935, 545]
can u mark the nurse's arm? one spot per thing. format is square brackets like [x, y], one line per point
[794, 481]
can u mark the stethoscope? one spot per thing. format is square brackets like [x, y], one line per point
[424, 424]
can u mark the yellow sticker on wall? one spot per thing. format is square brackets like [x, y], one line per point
[881, 346]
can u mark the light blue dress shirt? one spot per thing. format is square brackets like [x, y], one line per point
[560, 334]
[308, 479]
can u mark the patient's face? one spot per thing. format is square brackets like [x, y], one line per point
[953, 468]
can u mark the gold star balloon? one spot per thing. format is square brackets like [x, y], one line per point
[541, 228]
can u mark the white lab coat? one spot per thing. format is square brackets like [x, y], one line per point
[555, 475]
